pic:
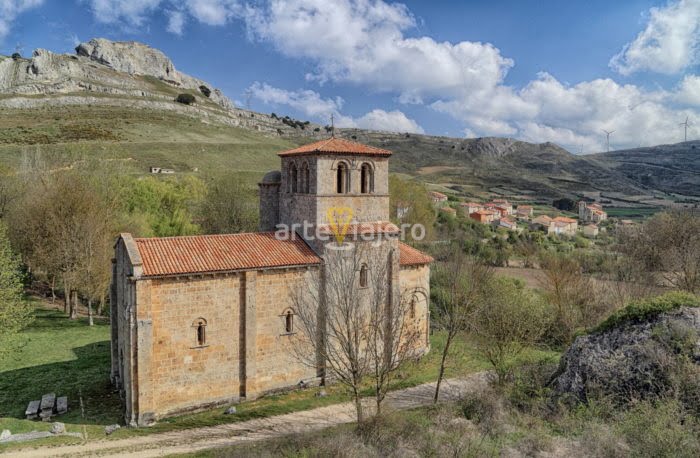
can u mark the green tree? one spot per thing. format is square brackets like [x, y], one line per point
[511, 318]
[409, 204]
[229, 206]
[15, 313]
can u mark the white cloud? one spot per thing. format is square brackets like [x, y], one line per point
[313, 105]
[688, 92]
[213, 12]
[129, 13]
[306, 101]
[366, 43]
[10, 9]
[390, 121]
[176, 22]
[668, 44]
[363, 42]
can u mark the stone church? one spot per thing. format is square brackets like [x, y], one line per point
[200, 321]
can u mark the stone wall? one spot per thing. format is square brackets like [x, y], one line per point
[415, 281]
[180, 372]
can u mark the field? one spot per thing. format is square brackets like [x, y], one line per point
[72, 359]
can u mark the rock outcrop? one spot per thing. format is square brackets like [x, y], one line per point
[101, 66]
[633, 360]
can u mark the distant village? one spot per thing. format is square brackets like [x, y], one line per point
[500, 213]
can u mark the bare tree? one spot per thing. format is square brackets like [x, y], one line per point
[568, 291]
[352, 324]
[668, 243]
[460, 285]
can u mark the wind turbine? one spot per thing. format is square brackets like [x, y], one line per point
[685, 124]
[607, 137]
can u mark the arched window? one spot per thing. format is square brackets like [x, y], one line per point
[293, 178]
[289, 322]
[200, 327]
[366, 179]
[342, 178]
[364, 272]
[305, 178]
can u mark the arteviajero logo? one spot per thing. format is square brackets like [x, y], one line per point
[339, 219]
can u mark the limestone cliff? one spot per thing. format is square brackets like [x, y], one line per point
[101, 66]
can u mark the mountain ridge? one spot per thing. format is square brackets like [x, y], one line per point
[134, 76]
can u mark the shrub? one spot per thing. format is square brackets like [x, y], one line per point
[205, 90]
[16, 56]
[660, 429]
[187, 99]
[642, 310]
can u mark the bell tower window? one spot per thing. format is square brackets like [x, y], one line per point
[304, 178]
[342, 178]
[293, 178]
[366, 179]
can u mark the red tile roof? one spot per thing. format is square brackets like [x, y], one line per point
[221, 253]
[336, 145]
[564, 219]
[409, 256]
[377, 227]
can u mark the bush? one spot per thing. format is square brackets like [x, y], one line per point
[205, 90]
[642, 310]
[16, 56]
[187, 99]
[660, 429]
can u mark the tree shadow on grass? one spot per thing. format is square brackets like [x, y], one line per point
[85, 380]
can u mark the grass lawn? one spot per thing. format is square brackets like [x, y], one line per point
[72, 359]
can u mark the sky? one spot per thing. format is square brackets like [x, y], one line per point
[557, 71]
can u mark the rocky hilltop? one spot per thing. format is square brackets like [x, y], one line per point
[639, 357]
[126, 75]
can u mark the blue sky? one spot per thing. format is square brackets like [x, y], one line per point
[539, 71]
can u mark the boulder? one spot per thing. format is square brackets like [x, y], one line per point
[632, 359]
[230, 411]
[109, 429]
[58, 428]
[321, 394]
[5, 434]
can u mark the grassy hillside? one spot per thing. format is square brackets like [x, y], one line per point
[137, 139]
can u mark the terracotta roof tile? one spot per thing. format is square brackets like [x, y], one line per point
[564, 219]
[221, 253]
[409, 256]
[336, 145]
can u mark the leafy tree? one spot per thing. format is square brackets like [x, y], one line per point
[15, 313]
[409, 199]
[511, 318]
[229, 206]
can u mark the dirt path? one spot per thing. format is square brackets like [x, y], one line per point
[192, 440]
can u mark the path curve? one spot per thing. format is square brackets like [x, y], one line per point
[197, 439]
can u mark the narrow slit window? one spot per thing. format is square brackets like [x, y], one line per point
[200, 327]
[289, 322]
[363, 276]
